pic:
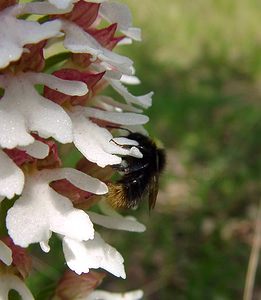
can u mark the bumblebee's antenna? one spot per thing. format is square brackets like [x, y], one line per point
[120, 145]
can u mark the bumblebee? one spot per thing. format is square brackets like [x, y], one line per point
[140, 176]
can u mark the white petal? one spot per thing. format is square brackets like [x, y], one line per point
[79, 179]
[23, 110]
[132, 80]
[40, 210]
[38, 149]
[103, 295]
[117, 222]
[119, 13]
[125, 41]
[11, 177]
[13, 127]
[5, 254]
[61, 3]
[12, 282]
[117, 117]
[93, 254]
[95, 142]
[45, 246]
[112, 73]
[139, 128]
[14, 34]
[144, 101]
[133, 33]
[45, 8]
[78, 41]
[68, 87]
[107, 103]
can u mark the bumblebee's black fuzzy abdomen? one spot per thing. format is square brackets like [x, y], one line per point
[135, 187]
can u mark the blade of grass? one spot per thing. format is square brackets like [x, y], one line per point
[253, 259]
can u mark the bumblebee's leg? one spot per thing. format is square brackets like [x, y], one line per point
[120, 167]
[128, 169]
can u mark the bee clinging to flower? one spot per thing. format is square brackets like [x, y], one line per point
[140, 176]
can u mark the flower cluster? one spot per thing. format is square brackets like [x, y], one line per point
[56, 59]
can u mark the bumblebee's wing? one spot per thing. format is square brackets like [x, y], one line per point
[153, 191]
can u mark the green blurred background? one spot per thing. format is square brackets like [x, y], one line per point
[203, 61]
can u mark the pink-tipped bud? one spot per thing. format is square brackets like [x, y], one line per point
[73, 286]
[106, 36]
[83, 14]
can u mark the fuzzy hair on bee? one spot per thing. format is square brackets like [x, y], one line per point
[140, 176]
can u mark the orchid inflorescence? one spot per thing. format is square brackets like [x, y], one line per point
[56, 59]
